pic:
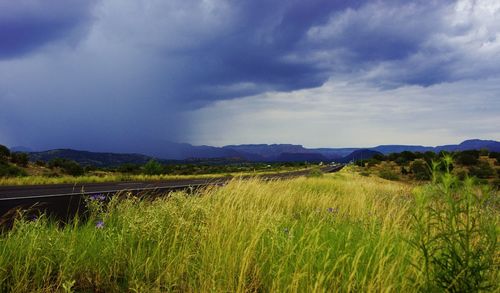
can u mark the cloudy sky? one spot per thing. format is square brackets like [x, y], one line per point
[112, 74]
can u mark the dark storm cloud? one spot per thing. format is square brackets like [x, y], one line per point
[27, 25]
[133, 67]
[253, 48]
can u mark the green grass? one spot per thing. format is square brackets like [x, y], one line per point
[118, 177]
[339, 232]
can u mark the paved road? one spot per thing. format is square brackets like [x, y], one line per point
[66, 199]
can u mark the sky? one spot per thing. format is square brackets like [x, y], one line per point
[110, 75]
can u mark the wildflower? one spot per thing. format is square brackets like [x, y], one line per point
[99, 197]
[332, 210]
[99, 225]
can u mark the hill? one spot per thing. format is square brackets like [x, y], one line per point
[85, 158]
[301, 157]
[362, 154]
[165, 150]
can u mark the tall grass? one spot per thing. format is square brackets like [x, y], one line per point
[339, 232]
[118, 177]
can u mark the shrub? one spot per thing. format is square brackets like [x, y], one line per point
[388, 174]
[315, 173]
[153, 168]
[468, 158]
[67, 166]
[360, 163]
[420, 170]
[7, 170]
[455, 235]
[483, 170]
[364, 173]
[404, 171]
[40, 163]
[20, 159]
[129, 168]
[379, 157]
[372, 162]
[3, 160]
[4, 152]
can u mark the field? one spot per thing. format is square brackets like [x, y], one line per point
[337, 232]
[101, 177]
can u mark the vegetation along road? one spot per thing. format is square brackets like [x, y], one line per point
[65, 199]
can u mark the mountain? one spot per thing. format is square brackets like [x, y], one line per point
[301, 157]
[362, 154]
[472, 144]
[165, 150]
[272, 152]
[334, 153]
[387, 149]
[90, 158]
[179, 151]
[267, 151]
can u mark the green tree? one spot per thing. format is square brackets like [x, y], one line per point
[11, 171]
[69, 167]
[153, 168]
[4, 152]
[20, 159]
[468, 158]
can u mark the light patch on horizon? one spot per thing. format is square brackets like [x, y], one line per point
[363, 115]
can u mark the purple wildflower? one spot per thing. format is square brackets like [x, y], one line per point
[332, 210]
[99, 197]
[99, 225]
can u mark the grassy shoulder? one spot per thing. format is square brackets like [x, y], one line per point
[40, 175]
[341, 231]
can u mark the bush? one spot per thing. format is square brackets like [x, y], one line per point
[67, 166]
[7, 170]
[40, 163]
[420, 170]
[404, 171]
[20, 159]
[153, 168]
[315, 173]
[379, 157]
[372, 162]
[483, 170]
[129, 168]
[4, 152]
[360, 163]
[455, 235]
[388, 174]
[4, 160]
[468, 158]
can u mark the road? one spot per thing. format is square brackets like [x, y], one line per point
[63, 200]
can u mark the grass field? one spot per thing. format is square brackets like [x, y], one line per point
[338, 232]
[119, 177]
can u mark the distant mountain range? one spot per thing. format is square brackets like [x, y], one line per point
[248, 152]
[90, 158]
